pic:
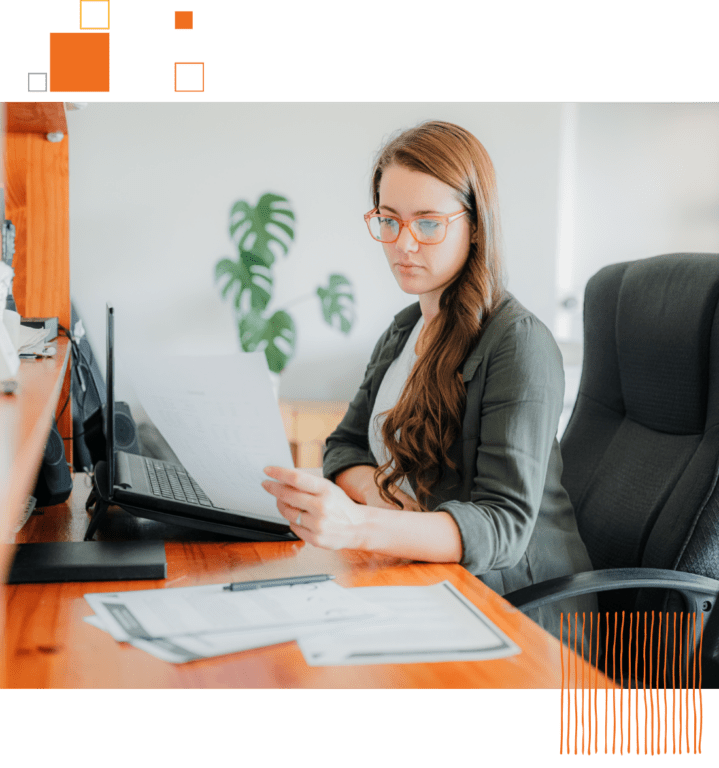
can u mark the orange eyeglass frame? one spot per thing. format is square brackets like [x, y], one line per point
[446, 219]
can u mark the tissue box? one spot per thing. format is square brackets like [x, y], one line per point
[48, 323]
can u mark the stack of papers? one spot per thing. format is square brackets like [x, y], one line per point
[333, 625]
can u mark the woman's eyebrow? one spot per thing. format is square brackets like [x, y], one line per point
[416, 213]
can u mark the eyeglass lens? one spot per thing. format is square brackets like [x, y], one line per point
[386, 229]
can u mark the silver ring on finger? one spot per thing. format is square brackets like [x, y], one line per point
[299, 517]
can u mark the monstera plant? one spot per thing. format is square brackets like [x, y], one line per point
[260, 233]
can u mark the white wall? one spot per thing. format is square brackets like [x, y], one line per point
[645, 182]
[151, 185]
[636, 180]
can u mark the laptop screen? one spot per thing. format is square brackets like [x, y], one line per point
[110, 406]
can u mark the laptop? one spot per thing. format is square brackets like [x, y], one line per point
[165, 491]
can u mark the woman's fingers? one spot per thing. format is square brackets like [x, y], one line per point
[302, 481]
[289, 495]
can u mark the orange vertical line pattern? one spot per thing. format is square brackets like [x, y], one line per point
[596, 685]
[695, 687]
[635, 688]
[621, 688]
[573, 692]
[701, 707]
[596, 675]
[652, 690]
[692, 697]
[576, 708]
[629, 681]
[569, 673]
[582, 681]
[694, 655]
[561, 700]
[657, 697]
[661, 712]
[674, 664]
[637, 714]
[570, 692]
[590, 698]
[614, 680]
[570, 709]
[681, 633]
[606, 693]
[686, 692]
[632, 684]
[645, 695]
[585, 694]
[655, 682]
[666, 708]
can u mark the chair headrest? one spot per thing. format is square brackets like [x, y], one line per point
[651, 341]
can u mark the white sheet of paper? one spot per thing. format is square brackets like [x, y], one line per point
[164, 613]
[220, 417]
[434, 623]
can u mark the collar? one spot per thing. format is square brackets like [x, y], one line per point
[408, 318]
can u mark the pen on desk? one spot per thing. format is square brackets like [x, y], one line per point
[239, 586]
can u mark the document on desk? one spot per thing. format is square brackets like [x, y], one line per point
[219, 415]
[434, 623]
[183, 648]
[277, 611]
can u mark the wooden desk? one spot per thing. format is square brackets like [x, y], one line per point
[50, 646]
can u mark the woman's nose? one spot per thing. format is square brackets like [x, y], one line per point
[406, 241]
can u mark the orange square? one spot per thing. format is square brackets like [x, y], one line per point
[191, 64]
[183, 19]
[79, 61]
[85, 2]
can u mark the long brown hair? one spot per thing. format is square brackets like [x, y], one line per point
[430, 409]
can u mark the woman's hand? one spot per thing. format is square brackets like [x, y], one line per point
[358, 483]
[317, 510]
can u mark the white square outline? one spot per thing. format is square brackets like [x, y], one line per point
[36, 74]
[93, 14]
[190, 90]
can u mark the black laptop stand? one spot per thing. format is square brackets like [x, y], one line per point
[100, 499]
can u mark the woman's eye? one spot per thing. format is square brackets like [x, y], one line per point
[428, 226]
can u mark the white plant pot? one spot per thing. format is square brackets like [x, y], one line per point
[275, 379]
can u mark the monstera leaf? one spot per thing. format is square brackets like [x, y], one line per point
[260, 234]
[338, 303]
[275, 335]
[249, 273]
[256, 228]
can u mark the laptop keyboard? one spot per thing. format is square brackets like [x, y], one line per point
[169, 483]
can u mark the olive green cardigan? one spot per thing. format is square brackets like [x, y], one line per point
[515, 519]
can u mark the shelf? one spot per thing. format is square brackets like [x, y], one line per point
[36, 117]
[25, 420]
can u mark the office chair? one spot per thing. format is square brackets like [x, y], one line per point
[641, 449]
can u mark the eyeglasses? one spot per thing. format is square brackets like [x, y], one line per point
[427, 230]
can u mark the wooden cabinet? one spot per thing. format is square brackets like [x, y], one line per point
[37, 202]
[35, 185]
[308, 424]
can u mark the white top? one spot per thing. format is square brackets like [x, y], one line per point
[389, 392]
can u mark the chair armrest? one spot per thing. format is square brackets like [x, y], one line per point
[699, 592]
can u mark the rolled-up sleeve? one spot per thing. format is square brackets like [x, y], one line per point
[519, 412]
[348, 445]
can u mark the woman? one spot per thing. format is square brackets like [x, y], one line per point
[448, 452]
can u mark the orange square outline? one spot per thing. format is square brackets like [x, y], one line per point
[202, 63]
[96, 1]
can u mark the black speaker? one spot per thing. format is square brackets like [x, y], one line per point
[54, 481]
[125, 429]
[125, 432]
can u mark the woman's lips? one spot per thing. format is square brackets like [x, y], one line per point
[407, 267]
